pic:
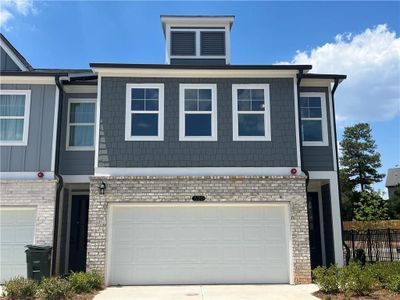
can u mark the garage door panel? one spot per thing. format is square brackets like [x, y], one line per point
[198, 244]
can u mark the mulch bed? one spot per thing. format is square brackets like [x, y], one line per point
[375, 295]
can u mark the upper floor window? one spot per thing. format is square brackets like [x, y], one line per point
[14, 117]
[197, 112]
[81, 124]
[313, 119]
[251, 112]
[144, 112]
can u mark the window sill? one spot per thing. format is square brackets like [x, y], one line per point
[198, 139]
[318, 144]
[251, 139]
[78, 148]
[143, 138]
[13, 143]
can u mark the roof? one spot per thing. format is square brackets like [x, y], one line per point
[340, 77]
[393, 177]
[16, 53]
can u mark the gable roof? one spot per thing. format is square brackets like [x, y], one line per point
[17, 57]
[393, 177]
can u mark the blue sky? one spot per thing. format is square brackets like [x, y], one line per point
[59, 34]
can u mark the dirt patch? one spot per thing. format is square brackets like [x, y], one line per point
[376, 295]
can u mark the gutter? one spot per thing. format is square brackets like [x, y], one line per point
[60, 181]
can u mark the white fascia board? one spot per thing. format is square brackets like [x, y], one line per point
[316, 82]
[70, 89]
[322, 174]
[196, 22]
[27, 80]
[196, 73]
[25, 176]
[197, 171]
[12, 55]
[76, 178]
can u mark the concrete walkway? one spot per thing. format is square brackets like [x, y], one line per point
[211, 292]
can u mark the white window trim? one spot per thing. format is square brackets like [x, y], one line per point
[80, 148]
[160, 112]
[213, 112]
[323, 119]
[267, 113]
[27, 94]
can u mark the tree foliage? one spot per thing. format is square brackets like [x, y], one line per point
[370, 207]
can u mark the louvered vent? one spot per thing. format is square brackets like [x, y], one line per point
[212, 43]
[183, 43]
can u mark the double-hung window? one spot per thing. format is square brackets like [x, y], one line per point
[313, 119]
[14, 117]
[197, 112]
[144, 120]
[81, 124]
[251, 112]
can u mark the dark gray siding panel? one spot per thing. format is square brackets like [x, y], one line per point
[6, 63]
[212, 43]
[74, 162]
[114, 151]
[37, 154]
[319, 158]
[183, 43]
[197, 61]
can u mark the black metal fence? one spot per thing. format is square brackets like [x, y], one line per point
[378, 244]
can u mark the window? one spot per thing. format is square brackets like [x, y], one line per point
[144, 112]
[14, 117]
[197, 112]
[81, 124]
[313, 119]
[251, 112]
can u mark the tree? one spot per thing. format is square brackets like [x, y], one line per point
[394, 205]
[370, 207]
[347, 195]
[360, 159]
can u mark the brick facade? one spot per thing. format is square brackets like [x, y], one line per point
[216, 189]
[34, 193]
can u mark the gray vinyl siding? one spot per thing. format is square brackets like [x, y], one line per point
[6, 63]
[114, 151]
[74, 162]
[36, 156]
[319, 158]
[198, 61]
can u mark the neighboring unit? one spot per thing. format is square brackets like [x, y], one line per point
[191, 172]
[392, 181]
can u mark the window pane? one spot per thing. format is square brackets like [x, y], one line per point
[251, 125]
[191, 94]
[191, 105]
[257, 94]
[244, 105]
[257, 105]
[304, 112]
[82, 113]
[152, 94]
[151, 104]
[144, 125]
[314, 102]
[137, 105]
[198, 125]
[81, 135]
[12, 105]
[243, 94]
[205, 105]
[315, 112]
[11, 129]
[303, 102]
[312, 130]
[137, 93]
[205, 94]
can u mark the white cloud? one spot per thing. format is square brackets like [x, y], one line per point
[10, 8]
[371, 61]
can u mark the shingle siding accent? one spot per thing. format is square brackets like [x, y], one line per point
[216, 189]
[114, 151]
[34, 193]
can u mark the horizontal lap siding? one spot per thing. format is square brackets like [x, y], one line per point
[6, 63]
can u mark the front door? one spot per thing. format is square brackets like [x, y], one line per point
[78, 233]
[314, 229]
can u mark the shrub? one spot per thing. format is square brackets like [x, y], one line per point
[393, 283]
[326, 279]
[382, 271]
[85, 282]
[20, 288]
[55, 288]
[354, 279]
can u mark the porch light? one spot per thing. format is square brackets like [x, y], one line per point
[102, 187]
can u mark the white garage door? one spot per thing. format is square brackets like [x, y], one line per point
[198, 244]
[17, 229]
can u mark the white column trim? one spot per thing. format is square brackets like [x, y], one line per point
[97, 135]
[53, 145]
[296, 113]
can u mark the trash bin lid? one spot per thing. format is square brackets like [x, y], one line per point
[38, 247]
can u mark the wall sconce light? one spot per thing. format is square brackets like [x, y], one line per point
[102, 188]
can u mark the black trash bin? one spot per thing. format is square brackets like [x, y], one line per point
[38, 259]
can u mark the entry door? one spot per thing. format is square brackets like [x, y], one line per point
[78, 232]
[198, 244]
[314, 229]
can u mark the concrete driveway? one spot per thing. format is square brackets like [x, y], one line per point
[211, 292]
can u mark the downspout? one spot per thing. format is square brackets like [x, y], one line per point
[335, 85]
[60, 181]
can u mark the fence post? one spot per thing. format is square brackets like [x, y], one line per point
[369, 245]
[390, 245]
[352, 244]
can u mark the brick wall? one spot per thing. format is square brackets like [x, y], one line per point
[38, 193]
[216, 189]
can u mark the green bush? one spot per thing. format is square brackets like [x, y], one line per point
[85, 282]
[326, 279]
[55, 288]
[20, 288]
[393, 283]
[354, 279]
[382, 271]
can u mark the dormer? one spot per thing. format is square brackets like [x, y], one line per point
[196, 40]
